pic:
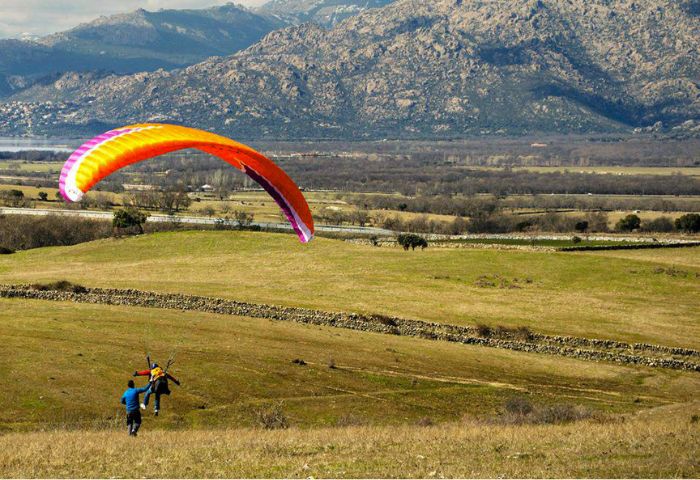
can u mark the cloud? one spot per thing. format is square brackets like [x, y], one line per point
[41, 17]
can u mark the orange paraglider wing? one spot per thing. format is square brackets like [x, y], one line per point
[118, 148]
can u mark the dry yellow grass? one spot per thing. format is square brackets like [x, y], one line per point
[587, 294]
[661, 443]
[67, 364]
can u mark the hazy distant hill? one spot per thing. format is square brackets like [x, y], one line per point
[416, 69]
[134, 42]
[323, 12]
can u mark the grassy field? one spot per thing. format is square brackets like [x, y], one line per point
[65, 365]
[22, 166]
[630, 297]
[30, 192]
[362, 404]
[661, 443]
[613, 170]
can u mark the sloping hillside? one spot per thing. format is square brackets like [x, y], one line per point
[420, 69]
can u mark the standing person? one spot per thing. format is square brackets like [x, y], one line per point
[158, 379]
[130, 398]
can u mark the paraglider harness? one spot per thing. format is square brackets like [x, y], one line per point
[159, 377]
[159, 381]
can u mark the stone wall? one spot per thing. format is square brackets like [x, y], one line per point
[575, 347]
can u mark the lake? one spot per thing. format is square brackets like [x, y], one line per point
[17, 144]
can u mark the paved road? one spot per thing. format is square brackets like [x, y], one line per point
[155, 218]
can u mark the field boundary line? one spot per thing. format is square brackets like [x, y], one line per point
[643, 354]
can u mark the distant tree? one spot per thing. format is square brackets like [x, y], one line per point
[628, 223]
[458, 226]
[523, 226]
[581, 226]
[411, 240]
[13, 198]
[660, 224]
[361, 217]
[688, 223]
[173, 199]
[129, 218]
[243, 218]
[597, 221]
[208, 211]
[43, 196]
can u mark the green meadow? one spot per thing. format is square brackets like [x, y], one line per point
[639, 296]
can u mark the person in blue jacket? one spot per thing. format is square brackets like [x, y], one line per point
[131, 400]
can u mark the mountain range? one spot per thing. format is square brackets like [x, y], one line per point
[412, 68]
[323, 12]
[133, 42]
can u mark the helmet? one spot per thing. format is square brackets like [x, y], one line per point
[155, 365]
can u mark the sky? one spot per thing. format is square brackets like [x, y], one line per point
[42, 17]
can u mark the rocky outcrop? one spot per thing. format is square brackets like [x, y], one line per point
[525, 341]
[324, 12]
[418, 69]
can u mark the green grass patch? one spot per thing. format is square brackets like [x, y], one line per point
[66, 365]
[599, 295]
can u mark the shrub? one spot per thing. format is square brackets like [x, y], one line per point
[243, 218]
[425, 422]
[13, 198]
[575, 239]
[523, 333]
[483, 330]
[59, 286]
[628, 223]
[25, 232]
[350, 420]
[659, 224]
[411, 240]
[518, 410]
[207, 211]
[129, 218]
[272, 418]
[519, 406]
[299, 361]
[560, 413]
[688, 223]
[6, 251]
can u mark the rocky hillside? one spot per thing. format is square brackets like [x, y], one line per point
[133, 42]
[415, 68]
[324, 12]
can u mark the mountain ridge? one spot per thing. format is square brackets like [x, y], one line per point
[419, 69]
[132, 42]
[324, 12]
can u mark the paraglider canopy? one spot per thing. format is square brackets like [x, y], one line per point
[120, 147]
